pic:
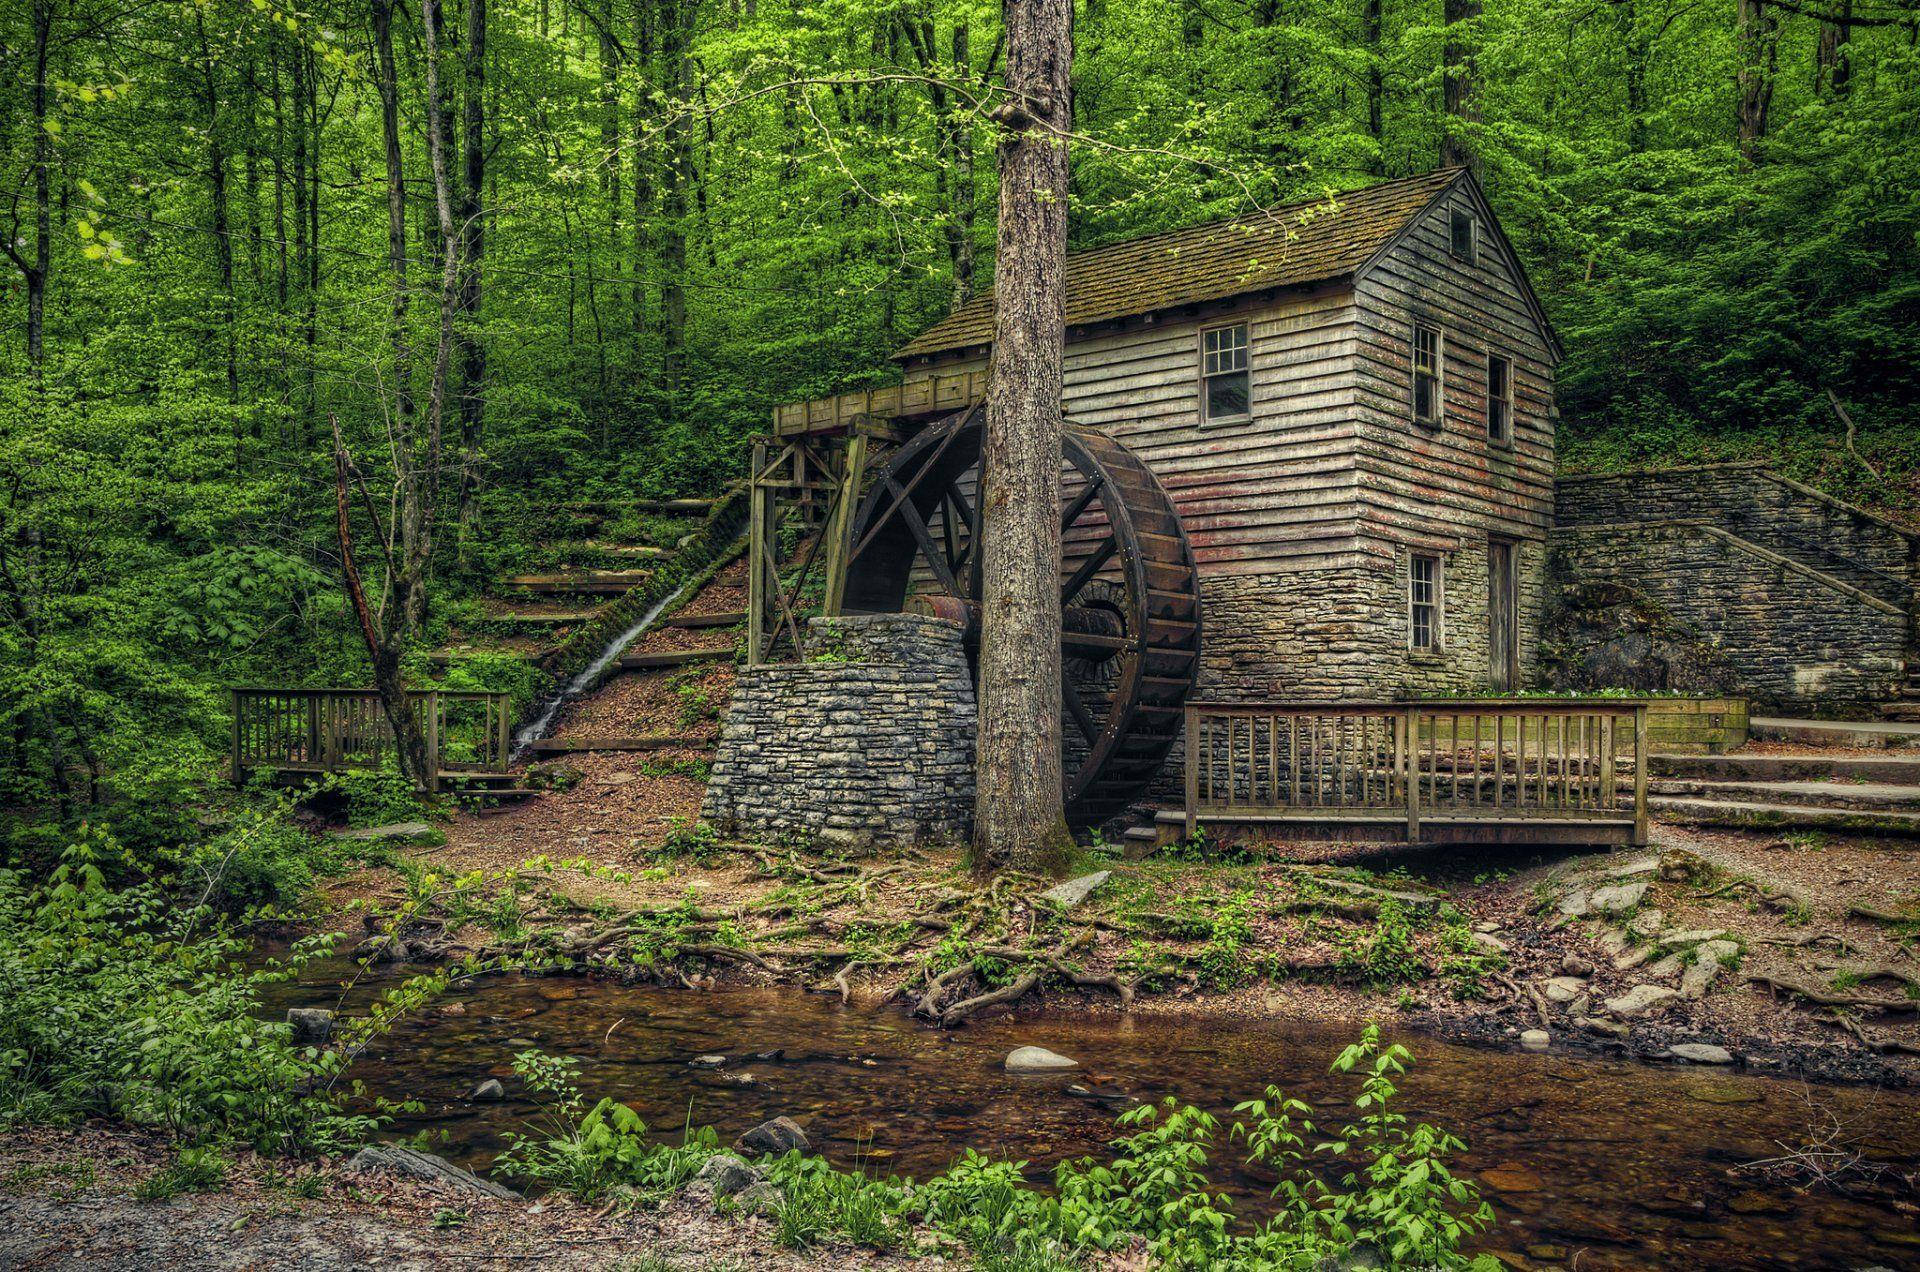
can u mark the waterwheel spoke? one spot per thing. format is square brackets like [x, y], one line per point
[1088, 568]
[1078, 709]
[959, 513]
[1081, 502]
[917, 526]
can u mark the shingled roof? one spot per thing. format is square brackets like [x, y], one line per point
[1307, 242]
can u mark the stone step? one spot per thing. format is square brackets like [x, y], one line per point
[1740, 766]
[731, 618]
[559, 618]
[1860, 733]
[576, 582]
[671, 658]
[620, 742]
[1864, 797]
[1763, 816]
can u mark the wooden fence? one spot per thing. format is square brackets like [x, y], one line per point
[468, 733]
[1546, 770]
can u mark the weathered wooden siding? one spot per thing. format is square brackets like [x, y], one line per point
[1441, 487]
[1279, 491]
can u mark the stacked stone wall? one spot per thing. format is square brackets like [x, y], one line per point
[871, 744]
[1807, 602]
[1792, 643]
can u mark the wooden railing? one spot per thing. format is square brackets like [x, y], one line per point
[332, 730]
[1498, 764]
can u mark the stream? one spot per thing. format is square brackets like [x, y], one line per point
[1633, 1163]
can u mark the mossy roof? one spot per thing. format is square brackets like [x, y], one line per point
[1313, 241]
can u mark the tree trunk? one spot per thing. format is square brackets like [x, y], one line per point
[222, 217]
[964, 200]
[1458, 94]
[676, 176]
[389, 88]
[643, 54]
[1753, 79]
[1019, 819]
[1635, 41]
[37, 271]
[1833, 58]
[473, 349]
[1370, 35]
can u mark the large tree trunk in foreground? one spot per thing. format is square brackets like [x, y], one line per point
[1019, 820]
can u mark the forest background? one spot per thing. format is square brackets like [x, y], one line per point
[655, 219]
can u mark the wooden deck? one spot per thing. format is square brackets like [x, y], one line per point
[469, 734]
[1542, 770]
[926, 395]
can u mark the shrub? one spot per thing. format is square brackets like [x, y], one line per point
[130, 1003]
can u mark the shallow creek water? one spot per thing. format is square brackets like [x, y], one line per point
[1617, 1165]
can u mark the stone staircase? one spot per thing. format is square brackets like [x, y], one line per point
[1904, 706]
[1840, 793]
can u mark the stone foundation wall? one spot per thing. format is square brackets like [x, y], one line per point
[1791, 642]
[871, 744]
[1807, 602]
[1342, 632]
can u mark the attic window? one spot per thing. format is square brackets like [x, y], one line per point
[1463, 234]
[1224, 387]
[1426, 375]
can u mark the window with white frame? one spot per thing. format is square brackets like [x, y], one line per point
[1463, 235]
[1423, 601]
[1225, 391]
[1499, 398]
[1427, 348]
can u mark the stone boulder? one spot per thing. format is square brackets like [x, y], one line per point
[311, 1025]
[1038, 1060]
[1709, 959]
[1074, 891]
[1619, 898]
[726, 1175]
[1640, 1000]
[781, 1135]
[418, 1165]
[760, 1198]
[1700, 1053]
[487, 1091]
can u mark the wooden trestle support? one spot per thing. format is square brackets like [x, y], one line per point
[898, 531]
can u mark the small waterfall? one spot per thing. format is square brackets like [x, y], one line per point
[586, 679]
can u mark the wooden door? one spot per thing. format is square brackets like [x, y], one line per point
[1503, 617]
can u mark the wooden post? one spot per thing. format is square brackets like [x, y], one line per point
[430, 723]
[840, 531]
[757, 496]
[1410, 727]
[1640, 776]
[1193, 769]
[238, 773]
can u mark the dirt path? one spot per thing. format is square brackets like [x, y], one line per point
[67, 1202]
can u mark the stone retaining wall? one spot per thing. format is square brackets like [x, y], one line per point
[1806, 601]
[870, 744]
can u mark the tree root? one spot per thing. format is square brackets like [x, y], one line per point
[1877, 915]
[1833, 998]
[1884, 1046]
[1005, 994]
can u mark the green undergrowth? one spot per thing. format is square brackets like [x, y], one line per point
[1378, 1183]
[139, 1001]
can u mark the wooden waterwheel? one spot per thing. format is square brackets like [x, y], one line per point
[1130, 604]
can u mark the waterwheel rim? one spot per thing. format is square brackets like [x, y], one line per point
[1130, 596]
